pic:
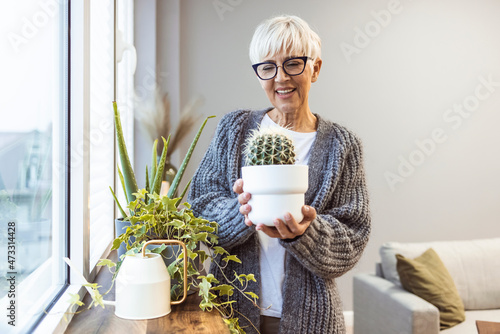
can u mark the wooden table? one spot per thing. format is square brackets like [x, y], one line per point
[488, 327]
[184, 318]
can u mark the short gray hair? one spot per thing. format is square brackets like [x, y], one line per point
[284, 33]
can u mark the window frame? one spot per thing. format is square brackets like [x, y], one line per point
[59, 313]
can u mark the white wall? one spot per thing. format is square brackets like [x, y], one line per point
[399, 88]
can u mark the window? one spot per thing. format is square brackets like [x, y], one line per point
[33, 146]
[57, 147]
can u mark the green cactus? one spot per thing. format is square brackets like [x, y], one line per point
[269, 146]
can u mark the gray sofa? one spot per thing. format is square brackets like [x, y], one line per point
[382, 306]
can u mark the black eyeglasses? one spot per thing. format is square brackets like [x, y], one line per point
[268, 70]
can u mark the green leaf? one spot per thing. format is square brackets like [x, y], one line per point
[251, 294]
[245, 278]
[224, 290]
[128, 172]
[183, 193]
[231, 258]
[116, 243]
[242, 278]
[158, 250]
[175, 291]
[140, 194]
[206, 306]
[169, 203]
[156, 186]
[206, 296]
[220, 250]
[176, 223]
[202, 255]
[106, 262]
[131, 205]
[200, 237]
[75, 299]
[182, 168]
[233, 326]
[131, 251]
[118, 203]
[192, 255]
[214, 239]
[147, 179]
[147, 217]
[192, 271]
[122, 181]
[204, 287]
[140, 232]
[173, 268]
[154, 162]
[97, 299]
[207, 229]
[118, 265]
[209, 278]
[187, 217]
[92, 285]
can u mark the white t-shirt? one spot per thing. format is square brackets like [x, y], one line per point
[272, 254]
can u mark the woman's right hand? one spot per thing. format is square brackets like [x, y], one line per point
[243, 199]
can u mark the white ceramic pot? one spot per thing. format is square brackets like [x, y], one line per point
[275, 189]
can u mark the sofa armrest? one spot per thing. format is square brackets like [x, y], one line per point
[380, 307]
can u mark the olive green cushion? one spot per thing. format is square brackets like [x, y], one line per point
[427, 277]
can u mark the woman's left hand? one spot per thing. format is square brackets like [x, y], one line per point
[289, 229]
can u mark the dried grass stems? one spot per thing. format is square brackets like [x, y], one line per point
[156, 121]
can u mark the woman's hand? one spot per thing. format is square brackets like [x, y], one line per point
[243, 199]
[289, 229]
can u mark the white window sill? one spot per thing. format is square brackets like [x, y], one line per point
[58, 318]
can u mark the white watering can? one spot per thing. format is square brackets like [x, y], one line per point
[143, 285]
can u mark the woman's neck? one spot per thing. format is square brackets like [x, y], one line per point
[298, 122]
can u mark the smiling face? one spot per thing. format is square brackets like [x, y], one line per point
[289, 94]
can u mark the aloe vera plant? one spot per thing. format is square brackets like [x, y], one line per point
[153, 179]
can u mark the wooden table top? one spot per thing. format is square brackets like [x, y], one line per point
[184, 318]
[488, 327]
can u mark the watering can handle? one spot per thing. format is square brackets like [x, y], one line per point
[171, 242]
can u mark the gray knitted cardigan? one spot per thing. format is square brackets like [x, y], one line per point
[331, 245]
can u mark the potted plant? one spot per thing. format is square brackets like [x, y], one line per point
[154, 177]
[277, 185]
[162, 216]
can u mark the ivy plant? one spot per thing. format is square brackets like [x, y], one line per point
[158, 216]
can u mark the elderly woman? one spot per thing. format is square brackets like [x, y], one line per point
[295, 262]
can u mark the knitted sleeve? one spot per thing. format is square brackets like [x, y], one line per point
[335, 240]
[211, 194]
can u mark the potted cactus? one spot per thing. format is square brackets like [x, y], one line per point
[277, 185]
